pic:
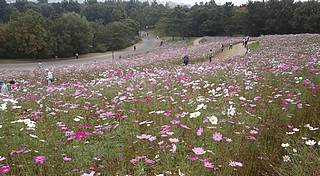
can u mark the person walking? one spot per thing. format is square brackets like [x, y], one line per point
[77, 55]
[230, 46]
[134, 48]
[50, 77]
[39, 65]
[243, 41]
[161, 43]
[186, 60]
[222, 47]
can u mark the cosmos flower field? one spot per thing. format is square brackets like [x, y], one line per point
[257, 114]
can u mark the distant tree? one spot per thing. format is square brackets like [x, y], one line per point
[73, 34]
[97, 12]
[176, 23]
[3, 34]
[26, 35]
[256, 18]
[5, 11]
[306, 17]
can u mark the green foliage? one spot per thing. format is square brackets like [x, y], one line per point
[72, 35]
[26, 35]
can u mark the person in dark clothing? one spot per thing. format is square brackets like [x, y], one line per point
[222, 47]
[210, 56]
[186, 60]
[230, 46]
[134, 48]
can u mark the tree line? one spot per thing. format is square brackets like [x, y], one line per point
[254, 18]
[42, 29]
[46, 30]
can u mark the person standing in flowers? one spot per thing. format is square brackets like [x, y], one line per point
[3, 88]
[222, 47]
[186, 60]
[50, 77]
[210, 55]
[134, 48]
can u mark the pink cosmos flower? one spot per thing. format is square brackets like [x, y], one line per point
[193, 158]
[80, 135]
[39, 159]
[299, 105]
[5, 169]
[65, 158]
[149, 161]
[257, 98]
[208, 164]
[199, 131]
[198, 151]
[253, 132]
[134, 161]
[217, 136]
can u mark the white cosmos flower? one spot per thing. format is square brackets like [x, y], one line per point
[195, 114]
[311, 142]
[231, 111]
[3, 107]
[180, 173]
[201, 106]
[174, 140]
[2, 158]
[285, 145]
[213, 120]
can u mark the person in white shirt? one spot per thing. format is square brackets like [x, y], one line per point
[3, 88]
[50, 77]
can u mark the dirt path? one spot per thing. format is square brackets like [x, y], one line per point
[197, 41]
[142, 47]
[237, 50]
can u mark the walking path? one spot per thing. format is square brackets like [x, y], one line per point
[197, 41]
[237, 50]
[142, 47]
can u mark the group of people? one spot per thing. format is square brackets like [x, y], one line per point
[5, 88]
[245, 43]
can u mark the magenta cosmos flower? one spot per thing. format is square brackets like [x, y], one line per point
[80, 135]
[217, 136]
[5, 169]
[39, 159]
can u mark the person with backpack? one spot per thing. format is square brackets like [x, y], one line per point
[186, 60]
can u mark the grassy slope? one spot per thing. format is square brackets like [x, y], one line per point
[260, 153]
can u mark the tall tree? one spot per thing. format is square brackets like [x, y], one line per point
[26, 34]
[73, 34]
